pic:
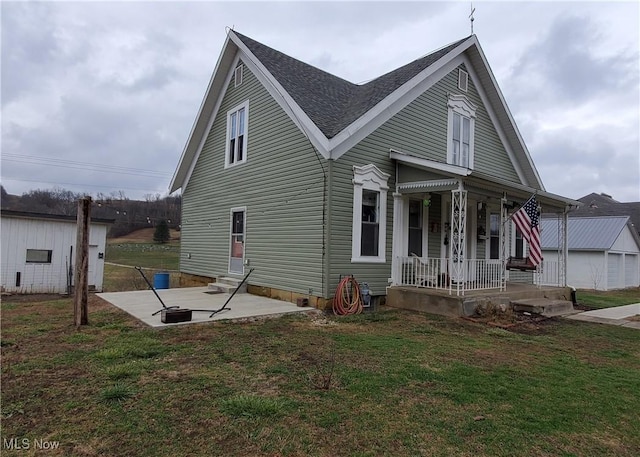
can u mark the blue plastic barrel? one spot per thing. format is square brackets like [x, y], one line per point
[161, 280]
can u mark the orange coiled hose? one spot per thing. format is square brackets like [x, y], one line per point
[347, 297]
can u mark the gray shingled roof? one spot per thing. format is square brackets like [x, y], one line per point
[604, 205]
[585, 233]
[333, 103]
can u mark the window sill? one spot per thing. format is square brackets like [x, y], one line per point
[470, 167]
[235, 164]
[368, 260]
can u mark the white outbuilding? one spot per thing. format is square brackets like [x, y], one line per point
[38, 252]
[603, 252]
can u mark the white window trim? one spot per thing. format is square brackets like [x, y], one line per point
[371, 178]
[228, 164]
[487, 251]
[461, 105]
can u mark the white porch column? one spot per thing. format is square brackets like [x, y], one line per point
[396, 246]
[562, 268]
[458, 243]
[505, 235]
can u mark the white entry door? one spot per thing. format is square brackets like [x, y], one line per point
[236, 251]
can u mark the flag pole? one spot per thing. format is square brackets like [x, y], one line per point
[524, 204]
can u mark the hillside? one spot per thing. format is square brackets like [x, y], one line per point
[142, 236]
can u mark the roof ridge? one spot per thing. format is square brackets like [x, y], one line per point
[245, 38]
[333, 103]
[440, 50]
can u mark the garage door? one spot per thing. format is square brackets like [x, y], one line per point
[614, 270]
[631, 275]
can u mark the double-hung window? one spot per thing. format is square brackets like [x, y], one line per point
[370, 223]
[369, 231]
[461, 128]
[236, 149]
[461, 140]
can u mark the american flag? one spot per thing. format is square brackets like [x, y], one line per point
[527, 220]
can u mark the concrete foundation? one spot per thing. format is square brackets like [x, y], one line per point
[287, 295]
[189, 280]
[440, 302]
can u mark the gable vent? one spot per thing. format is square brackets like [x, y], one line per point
[238, 75]
[463, 80]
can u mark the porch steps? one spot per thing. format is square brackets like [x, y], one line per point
[226, 285]
[543, 306]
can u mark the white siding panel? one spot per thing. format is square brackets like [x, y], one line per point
[625, 242]
[20, 234]
[631, 270]
[614, 271]
[586, 270]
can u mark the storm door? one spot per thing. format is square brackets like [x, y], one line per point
[236, 256]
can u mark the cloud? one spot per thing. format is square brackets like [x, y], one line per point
[121, 82]
[574, 92]
[29, 47]
[563, 68]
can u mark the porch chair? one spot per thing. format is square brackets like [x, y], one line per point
[422, 274]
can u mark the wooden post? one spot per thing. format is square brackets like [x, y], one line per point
[81, 290]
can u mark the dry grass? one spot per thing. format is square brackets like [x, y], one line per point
[401, 384]
[120, 278]
[143, 236]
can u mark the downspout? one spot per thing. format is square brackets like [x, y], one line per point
[326, 237]
[565, 244]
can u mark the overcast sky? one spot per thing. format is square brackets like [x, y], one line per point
[118, 84]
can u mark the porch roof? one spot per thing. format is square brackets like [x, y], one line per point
[476, 180]
[431, 185]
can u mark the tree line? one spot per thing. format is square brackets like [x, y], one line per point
[128, 215]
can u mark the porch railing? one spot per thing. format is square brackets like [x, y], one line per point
[423, 272]
[435, 273]
[549, 274]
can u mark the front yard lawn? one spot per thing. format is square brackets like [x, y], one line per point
[600, 299]
[391, 383]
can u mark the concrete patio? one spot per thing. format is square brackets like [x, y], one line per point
[141, 304]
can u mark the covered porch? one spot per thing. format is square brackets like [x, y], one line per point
[453, 233]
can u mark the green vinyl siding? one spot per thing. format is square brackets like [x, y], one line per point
[412, 174]
[420, 129]
[281, 186]
[371, 150]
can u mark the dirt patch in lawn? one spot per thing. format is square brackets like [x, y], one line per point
[635, 318]
[523, 323]
[32, 298]
[534, 324]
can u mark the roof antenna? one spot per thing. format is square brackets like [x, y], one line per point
[473, 10]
